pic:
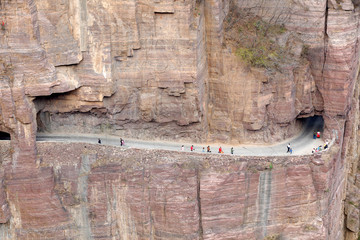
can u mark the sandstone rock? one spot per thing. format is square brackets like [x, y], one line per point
[108, 191]
[168, 69]
[352, 219]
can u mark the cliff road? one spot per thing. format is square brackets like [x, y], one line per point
[302, 144]
[252, 75]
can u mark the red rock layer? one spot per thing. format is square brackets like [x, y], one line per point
[109, 192]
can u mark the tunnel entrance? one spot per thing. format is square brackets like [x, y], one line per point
[312, 124]
[4, 136]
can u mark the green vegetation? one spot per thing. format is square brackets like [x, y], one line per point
[257, 42]
[273, 237]
[339, 1]
[257, 46]
[271, 166]
[352, 203]
[305, 51]
[310, 228]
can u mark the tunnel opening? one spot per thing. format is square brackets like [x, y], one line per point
[4, 136]
[312, 124]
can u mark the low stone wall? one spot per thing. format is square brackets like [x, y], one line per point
[89, 191]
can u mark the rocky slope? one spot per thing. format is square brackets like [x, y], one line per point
[173, 70]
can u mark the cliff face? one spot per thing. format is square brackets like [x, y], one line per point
[175, 70]
[114, 193]
[172, 69]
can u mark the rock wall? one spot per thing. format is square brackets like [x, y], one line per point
[166, 69]
[107, 192]
[169, 69]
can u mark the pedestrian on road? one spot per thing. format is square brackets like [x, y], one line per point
[288, 148]
[203, 149]
[208, 149]
[314, 135]
[121, 141]
[232, 150]
[192, 148]
[220, 150]
[182, 148]
[99, 141]
[326, 144]
[318, 134]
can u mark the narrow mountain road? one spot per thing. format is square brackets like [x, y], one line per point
[301, 144]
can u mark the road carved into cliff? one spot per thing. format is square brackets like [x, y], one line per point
[301, 144]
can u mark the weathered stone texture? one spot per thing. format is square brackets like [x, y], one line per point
[165, 69]
[105, 192]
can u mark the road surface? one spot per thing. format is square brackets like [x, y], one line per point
[301, 144]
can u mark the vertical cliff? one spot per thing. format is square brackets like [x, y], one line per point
[207, 70]
[110, 192]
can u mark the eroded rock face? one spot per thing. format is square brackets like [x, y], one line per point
[112, 192]
[168, 69]
[165, 67]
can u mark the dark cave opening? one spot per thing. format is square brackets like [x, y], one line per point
[4, 136]
[312, 124]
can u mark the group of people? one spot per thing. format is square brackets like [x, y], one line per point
[192, 148]
[320, 148]
[316, 134]
[122, 142]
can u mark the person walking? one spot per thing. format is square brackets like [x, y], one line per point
[208, 149]
[288, 148]
[192, 148]
[203, 150]
[182, 148]
[99, 141]
[326, 144]
[121, 141]
[220, 150]
[232, 150]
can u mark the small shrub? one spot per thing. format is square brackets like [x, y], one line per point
[305, 51]
[257, 46]
[273, 237]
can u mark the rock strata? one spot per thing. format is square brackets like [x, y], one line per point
[177, 70]
[107, 192]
